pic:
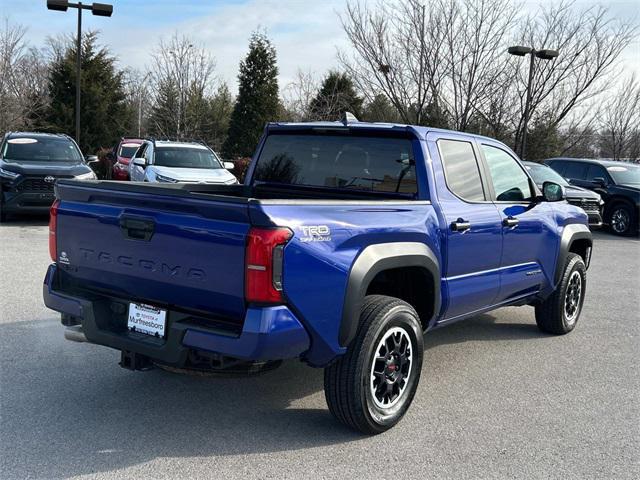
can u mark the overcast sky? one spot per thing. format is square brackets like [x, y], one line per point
[306, 33]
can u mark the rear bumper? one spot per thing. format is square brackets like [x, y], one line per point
[270, 333]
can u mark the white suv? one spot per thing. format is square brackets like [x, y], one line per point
[173, 162]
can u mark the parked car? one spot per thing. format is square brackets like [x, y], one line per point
[122, 155]
[618, 184]
[346, 243]
[30, 164]
[175, 162]
[588, 200]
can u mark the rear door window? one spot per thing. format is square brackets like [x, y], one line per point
[597, 171]
[356, 162]
[461, 169]
[576, 171]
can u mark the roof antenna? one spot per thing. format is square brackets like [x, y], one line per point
[348, 117]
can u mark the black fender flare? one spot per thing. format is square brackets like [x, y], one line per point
[375, 259]
[571, 233]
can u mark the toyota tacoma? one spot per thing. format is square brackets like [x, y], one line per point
[345, 244]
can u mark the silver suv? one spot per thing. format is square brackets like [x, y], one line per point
[173, 162]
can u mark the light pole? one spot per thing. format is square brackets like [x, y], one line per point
[99, 9]
[543, 55]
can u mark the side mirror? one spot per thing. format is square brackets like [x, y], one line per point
[553, 192]
[91, 159]
[229, 165]
[141, 162]
[600, 182]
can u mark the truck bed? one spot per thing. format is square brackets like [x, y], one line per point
[181, 248]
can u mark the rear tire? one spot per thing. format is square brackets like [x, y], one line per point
[622, 219]
[559, 313]
[370, 388]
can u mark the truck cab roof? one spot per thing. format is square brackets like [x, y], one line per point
[421, 131]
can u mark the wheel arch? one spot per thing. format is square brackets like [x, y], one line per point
[413, 259]
[576, 238]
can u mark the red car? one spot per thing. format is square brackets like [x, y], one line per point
[123, 154]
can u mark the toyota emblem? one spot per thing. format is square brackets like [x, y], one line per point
[49, 179]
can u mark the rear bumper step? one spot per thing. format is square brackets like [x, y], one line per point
[268, 333]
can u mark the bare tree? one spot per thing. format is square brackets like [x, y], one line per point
[447, 58]
[621, 122]
[437, 56]
[190, 70]
[138, 94]
[474, 77]
[590, 43]
[396, 52]
[298, 94]
[23, 74]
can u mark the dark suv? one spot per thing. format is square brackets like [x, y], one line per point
[587, 200]
[30, 164]
[618, 183]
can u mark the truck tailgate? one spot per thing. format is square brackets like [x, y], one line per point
[166, 248]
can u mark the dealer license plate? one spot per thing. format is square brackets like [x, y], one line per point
[147, 319]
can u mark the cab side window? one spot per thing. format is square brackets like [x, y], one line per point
[559, 166]
[510, 182]
[461, 170]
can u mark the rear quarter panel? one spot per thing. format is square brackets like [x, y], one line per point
[316, 268]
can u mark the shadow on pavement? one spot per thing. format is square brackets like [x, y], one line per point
[25, 221]
[483, 328]
[606, 236]
[68, 409]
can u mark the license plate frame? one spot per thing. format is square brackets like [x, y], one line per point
[147, 319]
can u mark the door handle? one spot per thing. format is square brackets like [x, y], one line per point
[510, 222]
[137, 228]
[460, 225]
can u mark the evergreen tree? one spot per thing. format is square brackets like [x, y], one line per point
[543, 140]
[380, 109]
[162, 120]
[336, 96]
[257, 101]
[103, 112]
[220, 110]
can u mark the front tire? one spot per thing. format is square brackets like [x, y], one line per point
[559, 313]
[370, 388]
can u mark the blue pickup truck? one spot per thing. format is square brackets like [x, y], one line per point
[346, 242]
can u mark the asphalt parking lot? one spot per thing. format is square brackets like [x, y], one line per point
[497, 399]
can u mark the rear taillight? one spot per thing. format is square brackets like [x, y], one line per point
[53, 226]
[264, 258]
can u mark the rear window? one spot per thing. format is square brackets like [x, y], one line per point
[127, 150]
[41, 149]
[374, 164]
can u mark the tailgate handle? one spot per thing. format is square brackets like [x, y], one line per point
[137, 228]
